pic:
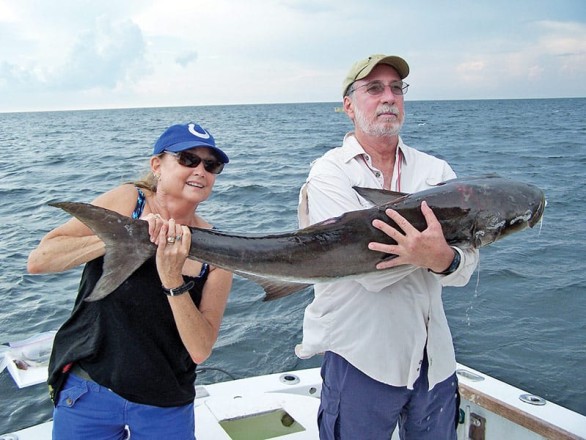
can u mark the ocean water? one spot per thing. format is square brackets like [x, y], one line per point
[521, 319]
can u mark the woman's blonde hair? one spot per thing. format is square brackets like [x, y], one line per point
[149, 181]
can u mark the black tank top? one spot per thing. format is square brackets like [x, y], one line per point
[128, 341]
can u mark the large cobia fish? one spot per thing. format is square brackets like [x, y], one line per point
[473, 212]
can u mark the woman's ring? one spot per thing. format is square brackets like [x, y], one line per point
[178, 237]
[170, 240]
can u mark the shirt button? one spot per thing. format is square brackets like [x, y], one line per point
[377, 174]
[69, 401]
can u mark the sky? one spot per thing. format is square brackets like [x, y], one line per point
[88, 54]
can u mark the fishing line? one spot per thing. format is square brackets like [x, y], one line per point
[476, 293]
[541, 220]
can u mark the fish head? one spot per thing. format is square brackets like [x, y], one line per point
[510, 207]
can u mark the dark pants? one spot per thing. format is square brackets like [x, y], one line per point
[355, 406]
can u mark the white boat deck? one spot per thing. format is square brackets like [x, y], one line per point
[284, 406]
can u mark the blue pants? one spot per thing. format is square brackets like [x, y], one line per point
[86, 410]
[355, 406]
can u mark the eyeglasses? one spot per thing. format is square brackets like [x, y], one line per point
[376, 88]
[193, 160]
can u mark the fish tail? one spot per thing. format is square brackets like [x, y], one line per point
[127, 242]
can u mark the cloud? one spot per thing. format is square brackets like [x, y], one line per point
[57, 55]
[107, 54]
[535, 72]
[521, 61]
[186, 58]
[13, 76]
[565, 43]
[471, 70]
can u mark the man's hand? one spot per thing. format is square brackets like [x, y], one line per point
[427, 248]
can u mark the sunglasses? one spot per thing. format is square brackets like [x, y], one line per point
[192, 160]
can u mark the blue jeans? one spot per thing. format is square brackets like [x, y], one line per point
[355, 406]
[86, 410]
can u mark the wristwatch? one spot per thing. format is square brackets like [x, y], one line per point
[455, 263]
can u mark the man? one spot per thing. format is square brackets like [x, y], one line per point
[388, 352]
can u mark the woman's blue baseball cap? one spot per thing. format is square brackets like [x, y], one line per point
[182, 137]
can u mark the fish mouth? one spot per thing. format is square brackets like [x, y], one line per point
[538, 214]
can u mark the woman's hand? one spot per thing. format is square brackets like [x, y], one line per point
[155, 222]
[173, 241]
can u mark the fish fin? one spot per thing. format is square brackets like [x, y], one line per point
[274, 289]
[279, 289]
[379, 196]
[127, 242]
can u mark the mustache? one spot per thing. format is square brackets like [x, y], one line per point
[385, 108]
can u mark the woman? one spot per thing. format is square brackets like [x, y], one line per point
[126, 364]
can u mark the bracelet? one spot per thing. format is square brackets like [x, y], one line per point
[453, 266]
[179, 290]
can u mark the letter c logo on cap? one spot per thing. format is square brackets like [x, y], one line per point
[193, 131]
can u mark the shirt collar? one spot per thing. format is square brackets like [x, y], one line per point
[352, 148]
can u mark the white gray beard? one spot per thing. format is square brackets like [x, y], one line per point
[378, 129]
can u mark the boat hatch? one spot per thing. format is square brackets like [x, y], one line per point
[271, 424]
[258, 416]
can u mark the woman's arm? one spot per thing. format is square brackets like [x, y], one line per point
[198, 328]
[73, 243]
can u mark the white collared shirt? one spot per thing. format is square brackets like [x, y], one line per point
[381, 322]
